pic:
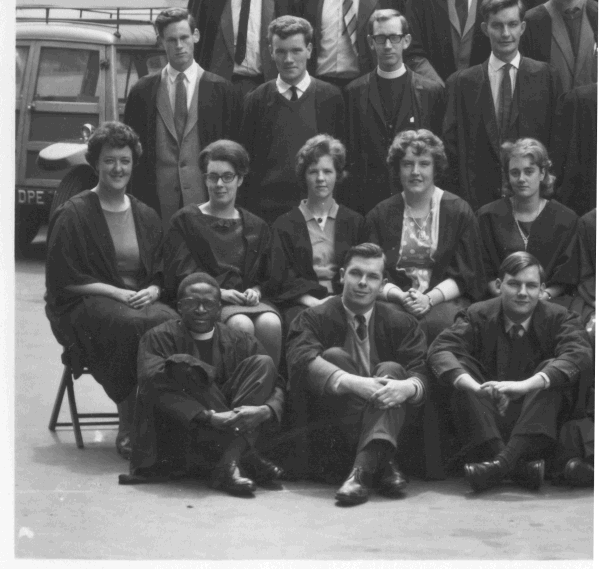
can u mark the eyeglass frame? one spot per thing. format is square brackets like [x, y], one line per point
[387, 37]
[216, 177]
[209, 305]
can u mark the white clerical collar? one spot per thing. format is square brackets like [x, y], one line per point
[391, 74]
[497, 64]
[191, 73]
[202, 337]
[302, 86]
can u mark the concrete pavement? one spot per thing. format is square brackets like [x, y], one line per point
[69, 505]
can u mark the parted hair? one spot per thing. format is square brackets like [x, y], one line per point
[197, 278]
[172, 16]
[316, 147]
[518, 261]
[116, 135]
[364, 250]
[226, 151]
[534, 149]
[489, 7]
[420, 141]
[381, 16]
[286, 26]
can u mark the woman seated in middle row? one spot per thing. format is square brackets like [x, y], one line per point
[430, 237]
[311, 240]
[230, 244]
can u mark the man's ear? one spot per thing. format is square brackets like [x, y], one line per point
[498, 283]
[484, 29]
[408, 39]
[342, 271]
[309, 48]
[196, 35]
[382, 285]
[542, 288]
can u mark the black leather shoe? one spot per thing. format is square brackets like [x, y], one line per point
[123, 444]
[484, 475]
[578, 473]
[530, 475]
[355, 490]
[391, 481]
[260, 469]
[228, 478]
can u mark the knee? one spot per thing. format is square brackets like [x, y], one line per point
[265, 365]
[241, 322]
[393, 369]
[268, 323]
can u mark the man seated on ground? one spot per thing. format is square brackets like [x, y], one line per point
[360, 364]
[516, 363]
[203, 384]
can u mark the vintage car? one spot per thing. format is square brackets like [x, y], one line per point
[74, 69]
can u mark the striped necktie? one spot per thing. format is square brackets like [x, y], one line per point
[350, 23]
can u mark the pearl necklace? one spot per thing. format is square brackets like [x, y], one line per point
[524, 237]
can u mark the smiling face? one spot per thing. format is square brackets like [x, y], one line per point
[417, 172]
[114, 168]
[520, 293]
[291, 56]
[389, 55]
[199, 307]
[504, 28]
[221, 193]
[363, 281]
[525, 177]
[178, 41]
[320, 178]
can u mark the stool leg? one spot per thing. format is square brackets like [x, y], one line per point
[74, 415]
[59, 398]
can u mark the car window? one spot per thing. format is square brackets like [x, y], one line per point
[133, 64]
[22, 53]
[68, 75]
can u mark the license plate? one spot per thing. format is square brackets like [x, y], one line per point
[34, 197]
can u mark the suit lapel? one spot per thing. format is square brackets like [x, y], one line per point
[227, 28]
[471, 16]
[405, 103]
[486, 102]
[523, 88]
[586, 41]
[373, 95]
[561, 36]
[193, 112]
[163, 105]
[454, 21]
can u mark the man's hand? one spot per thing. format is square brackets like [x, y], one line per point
[417, 303]
[393, 393]
[220, 420]
[510, 389]
[363, 387]
[248, 417]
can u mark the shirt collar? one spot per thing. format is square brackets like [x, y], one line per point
[202, 337]
[391, 74]
[282, 86]
[191, 73]
[497, 64]
[508, 324]
[350, 315]
[308, 215]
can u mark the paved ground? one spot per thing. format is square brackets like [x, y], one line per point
[68, 503]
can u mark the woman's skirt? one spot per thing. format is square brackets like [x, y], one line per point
[230, 310]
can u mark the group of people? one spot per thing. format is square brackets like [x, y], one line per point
[289, 282]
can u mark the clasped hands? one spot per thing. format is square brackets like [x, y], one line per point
[416, 303]
[382, 392]
[241, 420]
[501, 393]
[250, 297]
[139, 299]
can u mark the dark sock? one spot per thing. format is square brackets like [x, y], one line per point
[374, 454]
[487, 451]
[523, 447]
[233, 451]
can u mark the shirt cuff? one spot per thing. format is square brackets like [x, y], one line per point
[420, 390]
[333, 382]
[388, 287]
[461, 376]
[545, 378]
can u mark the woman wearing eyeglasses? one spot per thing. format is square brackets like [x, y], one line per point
[227, 242]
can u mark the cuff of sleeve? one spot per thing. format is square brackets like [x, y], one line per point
[420, 391]
[456, 381]
[203, 418]
[545, 378]
[387, 288]
[333, 382]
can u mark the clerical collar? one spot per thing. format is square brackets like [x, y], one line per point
[202, 337]
[391, 74]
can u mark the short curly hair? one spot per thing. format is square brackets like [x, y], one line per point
[116, 135]
[420, 141]
[226, 151]
[286, 26]
[172, 16]
[316, 147]
[536, 151]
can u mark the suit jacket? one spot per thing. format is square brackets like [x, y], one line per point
[470, 344]
[219, 111]
[312, 11]
[369, 137]
[471, 132]
[216, 48]
[537, 40]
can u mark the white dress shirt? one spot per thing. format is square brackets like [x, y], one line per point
[252, 64]
[191, 76]
[496, 73]
[284, 88]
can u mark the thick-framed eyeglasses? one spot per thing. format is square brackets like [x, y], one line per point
[189, 303]
[227, 178]
[380, 39]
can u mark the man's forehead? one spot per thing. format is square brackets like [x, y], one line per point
[290, 40]
[366, 263]
[528, 274]
[200, 289]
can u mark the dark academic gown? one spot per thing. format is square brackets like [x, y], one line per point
[188, 250]
[165, 447]
[369, 134]
[471, 132]
[397, 339]
[219, 112]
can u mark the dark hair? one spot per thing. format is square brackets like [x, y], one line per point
[381, 16]
[490, 7]
[227, 151]
[364, 250]
[286, 26]
[172, 16]
[518, 261]
[420, 141]
[534, 149]
[316, 147]
[197, 278]
[116, 135]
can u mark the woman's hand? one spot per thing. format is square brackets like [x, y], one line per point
[252, 297]
[123, 295]
[233, 296]
[416, 303]
[144, 297]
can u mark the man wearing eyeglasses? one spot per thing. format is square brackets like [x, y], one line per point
[382, 103]
[205, 390]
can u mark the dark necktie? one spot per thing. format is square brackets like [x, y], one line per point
[504, 102]
[242, 36]
[361, 326]
[294, 92]
[516, 332]
[181, 111]
[462, 10]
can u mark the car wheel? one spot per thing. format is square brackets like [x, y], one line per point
[27, 223]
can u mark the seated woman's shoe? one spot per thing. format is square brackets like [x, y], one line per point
[227, 477]
[260, 469]
[123, 444]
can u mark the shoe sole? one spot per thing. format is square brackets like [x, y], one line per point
[351, 500]
[395, 491]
